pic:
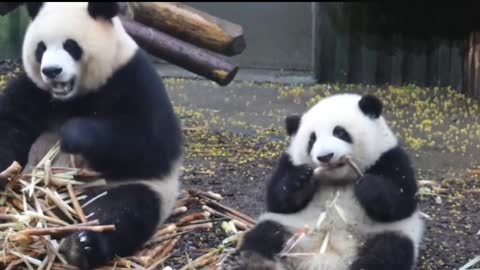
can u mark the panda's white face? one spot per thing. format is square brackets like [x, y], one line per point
[60, 66]
[337, 127]
[68, 52]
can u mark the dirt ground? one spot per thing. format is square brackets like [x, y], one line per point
[235, 134]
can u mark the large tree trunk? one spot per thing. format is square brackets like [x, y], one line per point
[191, 25]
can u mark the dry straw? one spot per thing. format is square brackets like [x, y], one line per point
[30, 229]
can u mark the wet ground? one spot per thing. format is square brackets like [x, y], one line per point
[235, 134]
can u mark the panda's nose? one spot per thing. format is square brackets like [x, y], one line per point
[51, 72]
[325, 158]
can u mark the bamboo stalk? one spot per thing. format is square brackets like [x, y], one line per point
[68, 229]
[203, 226]
[231, 211]
[76, 204]
[192, 217]
[11, 171]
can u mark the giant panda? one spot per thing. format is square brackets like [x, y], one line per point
[359, 215]
[88, 85]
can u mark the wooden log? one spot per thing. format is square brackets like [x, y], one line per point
[7, 7]
[191, 25]
[180, 53]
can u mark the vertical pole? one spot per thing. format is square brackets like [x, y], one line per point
[316, 40]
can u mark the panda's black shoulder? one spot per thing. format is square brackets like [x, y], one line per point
[137, 83]
[139, 73]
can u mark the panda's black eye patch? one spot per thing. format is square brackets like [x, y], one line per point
[342, 134]
[311, 142]
[41, 48]
[72, 47]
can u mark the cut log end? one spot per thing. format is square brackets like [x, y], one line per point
[224, 78]
[237, 46]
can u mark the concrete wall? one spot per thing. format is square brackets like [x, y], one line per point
[278, 35]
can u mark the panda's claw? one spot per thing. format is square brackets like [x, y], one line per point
[298, 178]
[306, 174]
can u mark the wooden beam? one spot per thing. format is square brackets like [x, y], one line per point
[181, 53]
[191, 25]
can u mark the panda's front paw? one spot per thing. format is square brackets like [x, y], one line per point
[78, 136]
[299, 177]
[86, 250]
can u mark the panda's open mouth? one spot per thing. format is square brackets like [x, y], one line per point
[60, 89]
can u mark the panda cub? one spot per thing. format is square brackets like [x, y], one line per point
[358, 218]
[88, 85]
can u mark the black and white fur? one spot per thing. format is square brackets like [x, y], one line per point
[88, 85]
[372, 222]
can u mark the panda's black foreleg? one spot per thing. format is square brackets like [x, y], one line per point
[24, 115]
[385, 251]
[290, 187]
[387, 191]
[134, 209]
[259, 248]
[104, 140]
[383, 200]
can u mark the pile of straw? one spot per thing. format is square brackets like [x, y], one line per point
[30, 231]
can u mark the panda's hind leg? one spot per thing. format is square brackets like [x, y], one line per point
[259, 248]
[385, 251]
[135, 211]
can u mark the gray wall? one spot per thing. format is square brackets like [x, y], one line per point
[278, 35]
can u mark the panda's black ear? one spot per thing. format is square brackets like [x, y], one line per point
[371, 106]
[292, 123]
[106, 10]
[33, 8]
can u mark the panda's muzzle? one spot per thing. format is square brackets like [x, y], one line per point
[326, 161]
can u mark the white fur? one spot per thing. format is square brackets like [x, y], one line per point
[106, 46]
[345, 220]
